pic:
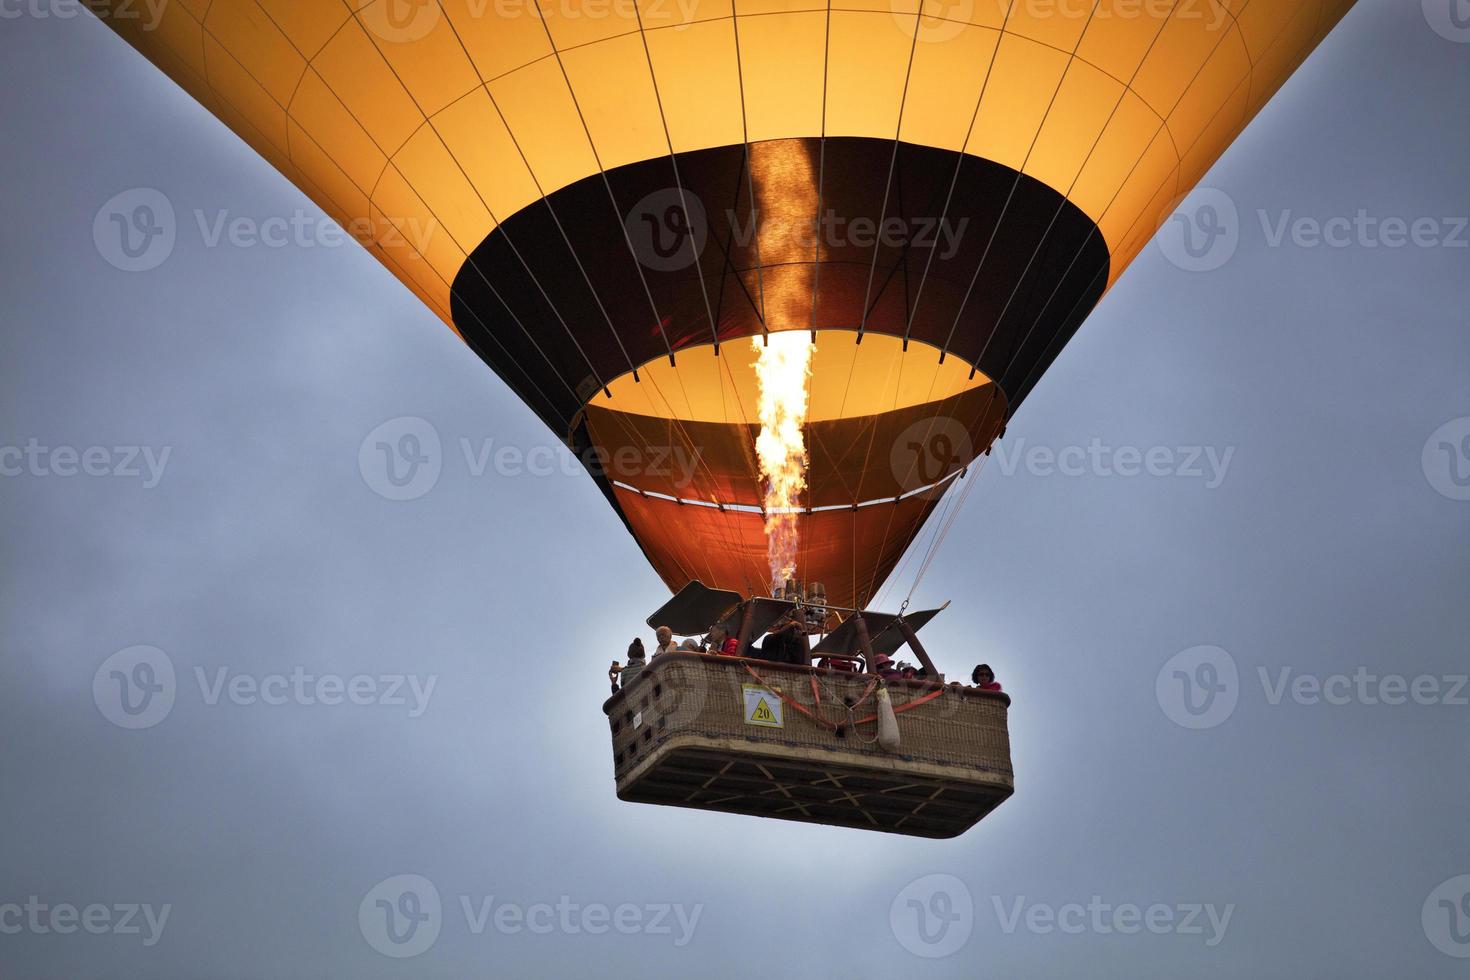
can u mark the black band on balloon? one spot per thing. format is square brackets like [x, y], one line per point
[524, 295]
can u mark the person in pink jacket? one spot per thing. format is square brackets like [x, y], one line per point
[984, 678]
[721, 642]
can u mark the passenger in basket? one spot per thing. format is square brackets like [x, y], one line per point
[884, 666]
[721, 642]
[665, 637]
[785, 645]
[984, 678]
[636, 663]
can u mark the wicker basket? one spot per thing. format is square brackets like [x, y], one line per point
[719, 733]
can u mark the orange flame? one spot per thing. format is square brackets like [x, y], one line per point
[782, 368]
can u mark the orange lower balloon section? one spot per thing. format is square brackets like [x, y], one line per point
[849, 551]
[864, 439]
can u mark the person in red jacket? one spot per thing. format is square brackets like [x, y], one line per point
[984, 678]
[721, 642]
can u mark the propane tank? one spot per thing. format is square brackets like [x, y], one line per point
[888, 739]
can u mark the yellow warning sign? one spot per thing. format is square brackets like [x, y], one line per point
[762, 707]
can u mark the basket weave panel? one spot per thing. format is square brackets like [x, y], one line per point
[688, 694]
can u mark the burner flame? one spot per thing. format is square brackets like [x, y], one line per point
[782, 368]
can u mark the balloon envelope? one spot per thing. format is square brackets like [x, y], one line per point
[606, 199]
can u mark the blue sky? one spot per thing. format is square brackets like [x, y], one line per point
[228, 391]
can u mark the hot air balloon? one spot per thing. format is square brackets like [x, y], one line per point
[649, 216]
